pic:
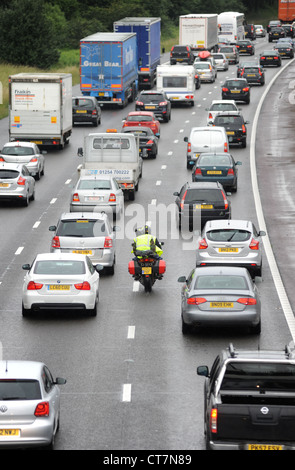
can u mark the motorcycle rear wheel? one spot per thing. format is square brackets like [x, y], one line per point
[147, 282]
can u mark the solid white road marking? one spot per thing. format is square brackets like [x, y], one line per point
[53, 200]
[126, 396]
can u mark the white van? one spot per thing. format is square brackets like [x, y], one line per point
[205, 140]
[178, 82]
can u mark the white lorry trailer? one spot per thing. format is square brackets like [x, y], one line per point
[200, 32]
[115, 154]
[178, 81]
[231, 26]
[40, 108]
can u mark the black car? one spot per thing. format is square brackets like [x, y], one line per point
[245, 47]
[289, 30]
[285, 50]
[235, 127]
[236, 89]
[155, 101]
[273, 24]
[217, 167]
[245, 63]
[276, 33]
[148, 142]
[253, 74]
[181, 54]
[86, 109]
[196, 203]
[270, 58]
[250, 31]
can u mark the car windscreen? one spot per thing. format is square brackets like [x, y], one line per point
[218, 282]
[59, 267]
[214, 160]
[81, 228]
[19, 389]
[259, 377]
[221, 120]
[8, 174]
[203, 195]
[139, 118]
[94, 184]
[17, 150]
[228, 235]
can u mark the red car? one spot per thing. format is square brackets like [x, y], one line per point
[143, 118]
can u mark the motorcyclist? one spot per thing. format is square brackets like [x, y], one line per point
[144, 241]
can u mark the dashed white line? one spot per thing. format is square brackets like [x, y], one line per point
[36, 224]
[53, 200]
[158, 183]
[163, 167]
[131, 332]
[135, 286]
[68, 181]
[126, 396]
[19, 250]
[170, 153]
[154, 202]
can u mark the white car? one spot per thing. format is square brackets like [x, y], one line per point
[260, 30]
[27, 153]
[61, 281]
[29, 404]
[218, 106]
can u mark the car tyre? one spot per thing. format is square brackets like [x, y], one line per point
[185, 328]
[256, 330]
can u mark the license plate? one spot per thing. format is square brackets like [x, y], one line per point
[264, 447]
[58, 287]
[221, 304]
[269, 58]
[81, 111]
[100, 93]
[83, 252]
[203, 206]
[37, 142]
[228, 250]
[146, 270]
[235, 91]
[214, 172]
[4, 185]
[230, 133]
[150, 107]
[251, 75]
[243, 50]
[174, 97]
[282, 53]
[9, 432]
[93, 198]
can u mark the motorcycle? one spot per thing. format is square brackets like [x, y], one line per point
[146, 268]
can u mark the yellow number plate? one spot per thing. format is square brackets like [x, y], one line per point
[264, 447]
[230, 133]
[9, 432]
[81, 111]
[221, 304]
[214, 172]
[4, 185]
[83, 252]
[58, 287]
[146, 270]
[150, 107]
[38, 142]
[228, 250]
[235, 91]
[203, 206]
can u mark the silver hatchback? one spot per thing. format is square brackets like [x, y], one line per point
[29, 403]
[27, 153]
[86, 233]
[230, 243]
[16, 183]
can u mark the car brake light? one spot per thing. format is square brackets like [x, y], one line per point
[150, 142]
[163, 103]
[94, 112]
[213, 420]
[34, 286]
[247, 301]
[83, 286]
[246, 89]
[182, 200]
[55, 242]
[249, 46]
[21, 181]
[196, 300]
[254, 245]
[189, 147]
[244, 129]
[276, 57]
[2, 159]
[139, 103]
[203, 244]
[112, 197]
[42, 409]
[198, 171]
[224, 89]
[230, 171]
[76, 197]
[263, 58]
[225, 147]
[225, 200]
[108, 242]
[210, 116]
[34, 159]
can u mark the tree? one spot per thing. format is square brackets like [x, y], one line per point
[26, 35]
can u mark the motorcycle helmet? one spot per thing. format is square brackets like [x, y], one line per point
[143, 230]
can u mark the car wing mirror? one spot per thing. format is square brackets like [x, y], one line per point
[181, 279]
[52, 228]
[175, 193]
[203, 370]
[262, 233]
[80, 152]
[185, 139]
[26, 267]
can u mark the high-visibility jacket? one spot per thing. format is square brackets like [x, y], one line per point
[147, 242]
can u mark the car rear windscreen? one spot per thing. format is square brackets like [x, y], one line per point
[59, 267]
[94, 184]
[81, 228]
[203, 195]
[17, 150]
[8, 174]
[19, 389]
[228, 235]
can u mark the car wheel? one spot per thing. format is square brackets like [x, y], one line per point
[185, 328]
[32, 198]
[244, 144]
[26, 200]
[93, 311]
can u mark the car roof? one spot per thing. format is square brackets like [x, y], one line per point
[228, 113]
[82, 97]
[229, 223]
[60, 256]
[83, 215]
[204, 184]
[220, 270]
[130, 129]
[19, 144]
[17, 369]
[140, 113]
[224, 102]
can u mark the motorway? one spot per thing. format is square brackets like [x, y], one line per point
[131, 374]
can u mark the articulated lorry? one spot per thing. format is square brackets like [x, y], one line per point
[148, 35]
[40, 108]
[200, 32]
[108, 68]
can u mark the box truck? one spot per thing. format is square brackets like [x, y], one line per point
[148, 35]
[108, 67]
[200, 32]
[40, 108]
[178, 82]
[231, 26]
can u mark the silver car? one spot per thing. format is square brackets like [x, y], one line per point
[205, 70]
[60, 281]
[260, 31]
[220, 296]
[231, 53]
[27, 153]
[97, 193]
[231, 243]
[218, 106]
[221, 61]
[16, 183]
[29, 404]
[87, 233]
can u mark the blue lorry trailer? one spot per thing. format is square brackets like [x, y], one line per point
[148, 31]
[108, 67]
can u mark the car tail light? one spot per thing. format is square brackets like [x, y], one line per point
[139, 103]
[230, 171]
[189, 97]
[189, 147]
[203, 244]
[150, 142]
[244, 129]
[247, 301]
[34, 159]
[276, 57]
[225, 147]
[224, 89]
[246, 89]
[198, 171]
[55, 242]
[213, 420]
[196, 76]
[94, 112]
[196, 300]
[34, 286]
[42, 409]
[83, 286]
[260, 73]
[210, 116]
[249, 46]
[112, 197]
[263, 58]
[254, 245]
[108, 242]
[21, 181]
[76, 197]
[163, 103]
[182, 200]
[225, 200]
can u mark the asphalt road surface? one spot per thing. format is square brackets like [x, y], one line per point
[131, 374]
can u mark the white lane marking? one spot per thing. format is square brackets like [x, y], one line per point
[19, 250]
[154, 202]
[68, 181]
[158, 183]
[36, 224]
[131, 332]
[176, 141]
[53, 200]
[135, 286]
[287, 309]
[170, 153]
[163, 167]
[126, 396]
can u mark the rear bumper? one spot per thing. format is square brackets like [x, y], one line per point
[223, 445]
